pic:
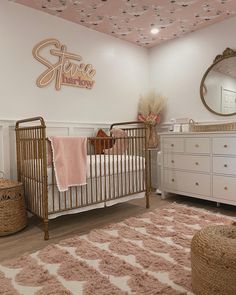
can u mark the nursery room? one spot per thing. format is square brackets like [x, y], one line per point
[118, 147]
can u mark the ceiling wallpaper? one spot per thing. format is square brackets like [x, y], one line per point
[132, 20]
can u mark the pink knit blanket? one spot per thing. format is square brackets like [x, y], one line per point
[69, 155]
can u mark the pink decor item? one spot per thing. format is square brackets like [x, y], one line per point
[121, 144]
[70, 160]
[132, 20]
[151, 118]
[149, 111]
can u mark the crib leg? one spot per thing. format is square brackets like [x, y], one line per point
[147, 200]
[46, 233]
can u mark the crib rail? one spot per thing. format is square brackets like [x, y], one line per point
[110, 176]
[32, 165]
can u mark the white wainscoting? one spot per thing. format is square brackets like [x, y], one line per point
[5, 147]
[8, 143]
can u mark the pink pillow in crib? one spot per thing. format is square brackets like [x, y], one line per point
[121, 144]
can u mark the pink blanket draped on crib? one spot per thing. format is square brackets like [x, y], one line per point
[69, 155]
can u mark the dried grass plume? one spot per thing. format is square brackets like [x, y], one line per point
[152, 102]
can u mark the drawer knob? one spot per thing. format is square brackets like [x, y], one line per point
[196, 183]
[225, 145]
[172, 145]
[172, 161]
[225, 188]
[225, 165]
[172, 180]
[196, 145]
[196, 163]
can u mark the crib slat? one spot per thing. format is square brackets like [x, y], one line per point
[109, 173]
[53, 188]
[100, 167]
[65, 197]
[121, 167]
[81, 196]
[105, 173]
[91, 170]
[129, 169]
[96, 174]
[76, 196]
[113, 173]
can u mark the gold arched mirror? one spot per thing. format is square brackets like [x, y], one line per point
[218, 85]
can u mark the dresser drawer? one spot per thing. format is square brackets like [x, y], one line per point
[174, 144]
[224, 145]
[187, 162]
[187, 182]
[224, 187]
[198, 145]
[224, 165]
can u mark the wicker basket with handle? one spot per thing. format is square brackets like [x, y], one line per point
[12, 207]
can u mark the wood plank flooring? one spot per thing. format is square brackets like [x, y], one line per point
[31, 238]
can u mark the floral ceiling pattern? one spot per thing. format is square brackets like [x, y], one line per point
[132, 20]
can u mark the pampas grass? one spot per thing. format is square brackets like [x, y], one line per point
[152, 102]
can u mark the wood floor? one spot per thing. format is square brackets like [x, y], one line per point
[31, 238]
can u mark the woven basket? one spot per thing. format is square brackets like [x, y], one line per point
[194, 127]
[12, 207]
[213, 258]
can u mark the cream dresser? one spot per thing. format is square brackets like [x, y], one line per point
[200, 165]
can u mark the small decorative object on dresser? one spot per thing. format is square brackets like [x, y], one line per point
[149, 111]
[200, 165]
[12, 207]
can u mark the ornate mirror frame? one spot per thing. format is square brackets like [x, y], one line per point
[228, 52]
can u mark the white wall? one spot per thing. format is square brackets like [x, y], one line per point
[122, 75]
[177, 67]
[122, 70]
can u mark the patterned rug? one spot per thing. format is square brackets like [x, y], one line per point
[148, 254]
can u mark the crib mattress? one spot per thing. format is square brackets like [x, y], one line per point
[102, 165]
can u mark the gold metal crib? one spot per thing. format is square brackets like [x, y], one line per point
[110, 179]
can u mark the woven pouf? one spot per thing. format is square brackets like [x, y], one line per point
[213, 258]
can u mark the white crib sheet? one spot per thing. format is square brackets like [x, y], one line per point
[109, 165]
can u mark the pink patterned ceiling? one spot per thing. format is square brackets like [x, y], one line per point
[132, 20]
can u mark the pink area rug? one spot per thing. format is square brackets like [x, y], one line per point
[148, 254]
